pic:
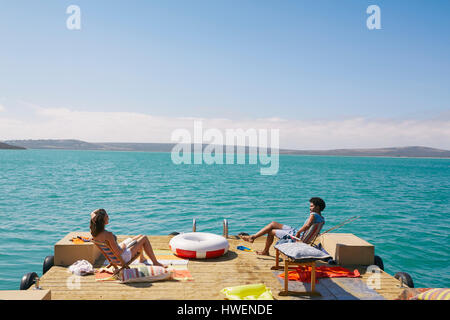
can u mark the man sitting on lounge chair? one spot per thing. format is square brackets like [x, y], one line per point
[316, 206]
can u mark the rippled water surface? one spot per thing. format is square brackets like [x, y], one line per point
[44, 194]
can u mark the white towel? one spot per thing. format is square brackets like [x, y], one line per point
[81, 268]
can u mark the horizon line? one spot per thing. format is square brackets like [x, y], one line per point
[225, 145]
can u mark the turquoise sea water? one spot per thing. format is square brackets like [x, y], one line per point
[44, 194]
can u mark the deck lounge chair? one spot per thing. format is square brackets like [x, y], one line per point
[114, 260]
[308, 237]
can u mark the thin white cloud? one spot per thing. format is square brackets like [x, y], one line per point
[64, 123]
[2, 108]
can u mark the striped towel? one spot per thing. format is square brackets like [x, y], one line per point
[144, 273]
[434, 294]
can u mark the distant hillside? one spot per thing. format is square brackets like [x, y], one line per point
[54, 144]
[82, 145]
[9, 147]
[414, 151]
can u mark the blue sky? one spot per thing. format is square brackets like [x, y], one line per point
[300, 61]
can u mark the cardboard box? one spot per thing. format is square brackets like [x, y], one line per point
[30, 294]
[66, 252]
[348, 249]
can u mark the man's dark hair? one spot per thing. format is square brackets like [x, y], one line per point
[318, 202]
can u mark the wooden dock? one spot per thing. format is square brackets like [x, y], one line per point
[209, 277]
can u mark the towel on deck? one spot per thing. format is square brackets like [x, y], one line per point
[303, 273]
[177, 265]
[80, 240]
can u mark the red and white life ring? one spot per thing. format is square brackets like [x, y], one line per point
[199, 245]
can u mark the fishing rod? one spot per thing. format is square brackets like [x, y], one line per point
[340, 225]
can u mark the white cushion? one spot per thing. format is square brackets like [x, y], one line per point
[300, 251]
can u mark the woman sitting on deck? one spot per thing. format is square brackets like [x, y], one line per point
[316, 206]
[99, 218]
